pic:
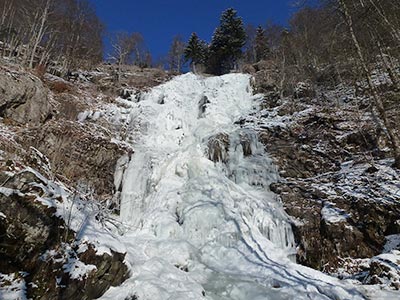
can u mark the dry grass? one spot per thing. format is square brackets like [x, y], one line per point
[60, 87]
[40, 71]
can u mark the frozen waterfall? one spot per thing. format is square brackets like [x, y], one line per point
[200, 220]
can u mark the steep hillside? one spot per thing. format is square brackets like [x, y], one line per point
[196, 188]
[337, 176]
[57, 184]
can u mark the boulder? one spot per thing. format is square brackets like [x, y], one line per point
[26, 231]
[23, 97]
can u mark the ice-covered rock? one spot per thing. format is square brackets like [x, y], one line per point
[385, 270]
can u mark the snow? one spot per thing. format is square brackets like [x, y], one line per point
[372, 293]
[195, 229]
[77, 269]
[91, 115]
[7, 192]
[393, 257]
[332, 214]
[392, 243]
[12, 287]
[83, 116]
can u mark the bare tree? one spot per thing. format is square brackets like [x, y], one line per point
[176, 54]
[41, 29]
[385, 19]
[394, 139]
[79, 41]
[124, 46]
[68, 32]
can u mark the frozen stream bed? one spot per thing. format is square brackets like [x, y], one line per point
[198, 229]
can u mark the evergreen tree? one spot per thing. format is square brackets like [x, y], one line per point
[261, 44]
[227, 43]
[195, 51]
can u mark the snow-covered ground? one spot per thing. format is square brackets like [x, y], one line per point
[12, 287]
[195, 229]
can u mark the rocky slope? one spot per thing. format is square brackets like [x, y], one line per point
[337, 180]
[39, 248]
[52, 167]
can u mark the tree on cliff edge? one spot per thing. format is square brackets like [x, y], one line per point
[195, 51]
[227, 43]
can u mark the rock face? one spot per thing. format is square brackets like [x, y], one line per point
[336, 178]
[83, 153]
[45, 150]
[23, 97]
[107, 271]
[333, 220]
[35, 241]
[27, 230]
[218, 147]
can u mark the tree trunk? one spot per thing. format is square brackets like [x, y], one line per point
[283, 75]
[395, 33]
[194, 68]
[392, 73]
[40, 33]
[377, 100]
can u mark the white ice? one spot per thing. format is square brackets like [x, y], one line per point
[195, 229]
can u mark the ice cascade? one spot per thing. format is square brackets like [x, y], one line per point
[200, 220]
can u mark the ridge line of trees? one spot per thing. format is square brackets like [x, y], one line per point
[66, 33]
[333, 42]
[225, 49]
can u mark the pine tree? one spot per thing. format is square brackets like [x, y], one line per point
[195, 51]
[227, 43]
[261, 44]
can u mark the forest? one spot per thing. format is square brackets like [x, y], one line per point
[328, 35]
[40, 33]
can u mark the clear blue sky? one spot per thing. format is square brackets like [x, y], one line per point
[159, 20]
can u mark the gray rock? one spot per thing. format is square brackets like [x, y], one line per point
[23, 97]
[28, 229]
